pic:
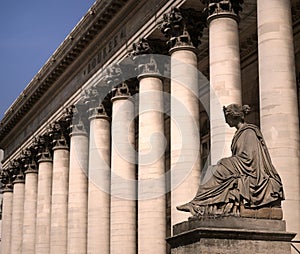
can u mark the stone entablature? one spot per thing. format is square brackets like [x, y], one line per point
[69, 80]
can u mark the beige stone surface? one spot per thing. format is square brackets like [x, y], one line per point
[77, 203]
[279, 116]
[225, 81]
[59, 205]
[6, 222]
[17, 217]
[185, 131]
[123, 188]
[30, 204]
[43, 219]
[151, 168]
[98, 237]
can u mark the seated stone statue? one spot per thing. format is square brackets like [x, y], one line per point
[245, 183]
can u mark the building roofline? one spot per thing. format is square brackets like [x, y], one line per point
[96, 18]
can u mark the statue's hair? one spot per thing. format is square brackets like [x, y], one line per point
[236, 110]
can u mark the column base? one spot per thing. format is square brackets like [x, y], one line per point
[228, 235]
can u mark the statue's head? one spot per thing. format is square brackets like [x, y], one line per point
[235, 113]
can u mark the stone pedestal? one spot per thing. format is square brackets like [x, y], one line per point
[234, 235]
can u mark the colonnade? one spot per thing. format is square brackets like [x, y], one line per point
[100, 191]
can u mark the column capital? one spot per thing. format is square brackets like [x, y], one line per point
[183, 27]
[59, 130]
[223, 9]
[28, 158]
[142, 55]
[96, 108]
[98, 112]
[115, 79]
[31, 168]
[120, 92]
[43, 146]
[17, 168]
[121, 81]
[113, 76]
[79, 120]
[6, 178]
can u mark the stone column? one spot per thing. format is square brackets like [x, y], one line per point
[17, 209]
[30, 202]
[279, 116]
[151, 159]
[123, 187]
[43, 219]
[225, 74]
[77, 204]
[99, 179]
[60, 180]
[185, 132]
[7, 205]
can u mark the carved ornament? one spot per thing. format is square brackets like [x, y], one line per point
[183, 27]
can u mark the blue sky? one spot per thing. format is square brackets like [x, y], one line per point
[31, 30]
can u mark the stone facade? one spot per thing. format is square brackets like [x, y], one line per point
[115, 131]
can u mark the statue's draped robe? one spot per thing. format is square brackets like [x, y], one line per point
[247, 176]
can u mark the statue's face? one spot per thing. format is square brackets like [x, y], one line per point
[232, 121]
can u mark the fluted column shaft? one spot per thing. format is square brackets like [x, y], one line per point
[17, 216]
[7, 207]
[151, 169]
[30, 204]
[59, 208]
[185, 132]
[99, 185]
[43, 219]
[77, 205]
[123, 188]
[279, 116]
[225, 79]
